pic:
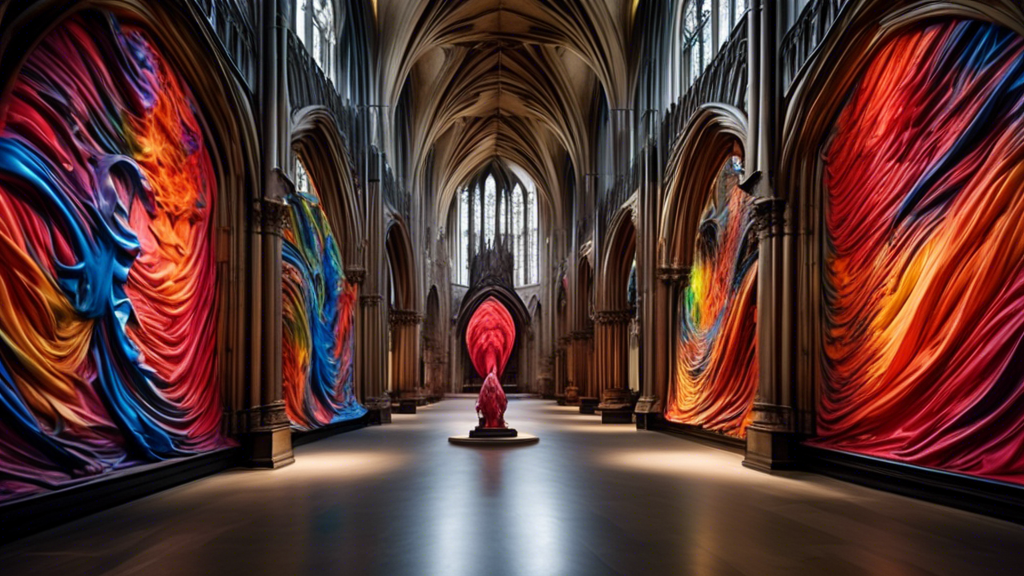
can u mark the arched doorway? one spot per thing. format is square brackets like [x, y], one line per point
[613, 317]
[403, 316]
[435, 357]
[582, 388]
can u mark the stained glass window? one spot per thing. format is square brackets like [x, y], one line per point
[478, 217]
[499, 215]
[314, 26]
[725, 19]
[463, 256]
[301, 178]
[697, 45]
[502, 228]
[517, 235]
[489, 193]
[531, 212]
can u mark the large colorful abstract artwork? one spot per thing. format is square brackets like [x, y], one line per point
[716, 362]
[924, 277]
[319, 321]
[108, 288]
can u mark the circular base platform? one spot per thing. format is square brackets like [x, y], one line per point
[521, 439]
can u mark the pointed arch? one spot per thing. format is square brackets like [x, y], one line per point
[321, 148]
[714, 132]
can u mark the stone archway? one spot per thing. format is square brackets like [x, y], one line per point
[404, 318]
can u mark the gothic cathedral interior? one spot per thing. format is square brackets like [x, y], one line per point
[511, 287]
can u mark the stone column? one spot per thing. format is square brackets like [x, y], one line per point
[267, 436]
[655, 391]
[654, 301]
[611, 350]
[373, 319]
[356, 274]
[583, 359]
[611, 353]
[405, 327]
[771, 438]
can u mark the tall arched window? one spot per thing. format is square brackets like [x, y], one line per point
[707, 25]
[509, 216]
[696, 37]
[315, 26]
[489, 210]
[302, 185]
[532, 231]
[518, 241]
[462, 277]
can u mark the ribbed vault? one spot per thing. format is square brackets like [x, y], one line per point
[496, 79]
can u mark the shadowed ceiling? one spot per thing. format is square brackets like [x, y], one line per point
[512, 80]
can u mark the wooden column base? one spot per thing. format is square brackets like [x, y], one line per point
[379, 416]
[769, 450]
[407, 406]
[269, 448]
[617, 416]
[648, 413]
[268, 442]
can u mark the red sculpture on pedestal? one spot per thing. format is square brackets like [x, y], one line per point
[490, 335]
[492, 403]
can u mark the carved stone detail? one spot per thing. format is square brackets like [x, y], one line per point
[271, 216]
[768, 214]
[493, 266]
[404, 317]
[355, 275]
[672, 275]
[371, 299]
[773, 417]
[648, 405]
[613, 317]
[267, 417]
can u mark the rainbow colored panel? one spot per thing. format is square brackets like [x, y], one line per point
[924, 268]
[715, 376]
[319, 322]
[108, 286]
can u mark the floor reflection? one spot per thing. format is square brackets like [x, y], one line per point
[588, 500]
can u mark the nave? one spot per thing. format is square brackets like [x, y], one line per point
[588, 499]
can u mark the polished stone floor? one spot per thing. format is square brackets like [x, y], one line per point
[588, 500]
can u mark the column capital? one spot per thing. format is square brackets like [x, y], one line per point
[270, 216]
[768, 215]
[265, 418]
[773, 417]
[405, 317]
[612, 317]
[355, 274]
[371, 299]
[673, 275]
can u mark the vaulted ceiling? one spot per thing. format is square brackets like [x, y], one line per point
[515, 80]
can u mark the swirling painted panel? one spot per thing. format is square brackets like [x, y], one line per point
[716, 360]
[319, 314]
[924, 265]
[108, 299]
